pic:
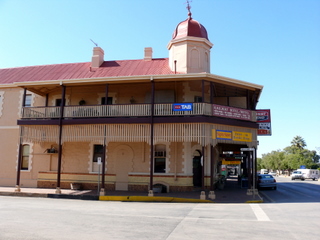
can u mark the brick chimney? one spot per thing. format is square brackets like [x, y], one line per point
[98, 57]
[148, 54]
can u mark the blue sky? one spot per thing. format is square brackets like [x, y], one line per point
[274, 43]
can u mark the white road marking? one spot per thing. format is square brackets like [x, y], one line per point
[260, 214]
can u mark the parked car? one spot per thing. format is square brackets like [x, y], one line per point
[273, 173]
[267, 181]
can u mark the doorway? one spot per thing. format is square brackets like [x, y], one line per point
[197, 169]
[123, 165]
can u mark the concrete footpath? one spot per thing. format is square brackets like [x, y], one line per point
[232, 193]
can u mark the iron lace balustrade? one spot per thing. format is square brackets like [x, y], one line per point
[137, 110]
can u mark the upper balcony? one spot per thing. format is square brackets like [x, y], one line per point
[138, 110]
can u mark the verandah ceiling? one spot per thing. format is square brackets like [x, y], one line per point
[100, 133]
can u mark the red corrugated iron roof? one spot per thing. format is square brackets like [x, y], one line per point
[159, 66]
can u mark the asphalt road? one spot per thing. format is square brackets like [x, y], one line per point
[293, 191]
[44, 218]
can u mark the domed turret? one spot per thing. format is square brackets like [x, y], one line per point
[190, 28]
[189, 48]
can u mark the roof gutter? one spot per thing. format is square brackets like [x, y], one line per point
[141, 78]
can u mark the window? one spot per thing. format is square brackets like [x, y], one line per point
[28, 100]
[97, 152]
[103, 100]
[197, 99]
[25, 157]
[160, 159]
[58, 102]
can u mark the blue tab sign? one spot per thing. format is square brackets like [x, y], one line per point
[182, 107]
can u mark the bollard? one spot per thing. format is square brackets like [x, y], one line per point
[58, 190]
[102, 192]
[150, 193]
[203, 195]
[212, 195]
[17, 188]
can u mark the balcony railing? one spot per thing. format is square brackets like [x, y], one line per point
[137, 110]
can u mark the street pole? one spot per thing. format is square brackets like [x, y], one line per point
[252, 155]
[99, 164]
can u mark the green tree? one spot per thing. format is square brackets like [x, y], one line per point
[292, 157]
[273, 160]
[259, 163]
[298, 142]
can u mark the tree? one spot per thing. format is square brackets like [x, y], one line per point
[298, 142]
[273, 160]
[291, 157]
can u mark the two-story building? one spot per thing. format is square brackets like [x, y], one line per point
[127, 124]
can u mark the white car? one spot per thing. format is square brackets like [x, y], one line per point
[273, 173]
[297, 175]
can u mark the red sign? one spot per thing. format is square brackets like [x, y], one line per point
[264, 121]
[230, 112]
[263, 115]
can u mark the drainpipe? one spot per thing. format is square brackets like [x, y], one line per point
[19, 162]
[202, 169]
[151, 129]
[20, 146]
[202, 83]
[47, 99]
[104, 146]
[106, 96]
[211, 92]
[58, 191]
[103, 161]
[211, 167]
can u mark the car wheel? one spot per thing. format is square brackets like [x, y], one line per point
[314, 179]
[275, 188]
[302, 179]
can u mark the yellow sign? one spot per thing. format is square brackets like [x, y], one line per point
[224, 135]
[231, 135]
[224, 162]
[241, 136]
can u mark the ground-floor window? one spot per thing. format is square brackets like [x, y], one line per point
[97, 152]
[25, 157]
[160, 159]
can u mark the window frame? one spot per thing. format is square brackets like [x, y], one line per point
[28, 100]
[160, 156]
[25, 156]
[95, 154]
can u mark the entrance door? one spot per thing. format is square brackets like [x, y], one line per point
[124, 156]
[197, 169]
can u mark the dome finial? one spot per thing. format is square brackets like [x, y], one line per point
[189, 7]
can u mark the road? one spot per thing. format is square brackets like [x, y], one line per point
[290, 215]
[293, 191]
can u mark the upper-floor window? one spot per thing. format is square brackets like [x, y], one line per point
[25, 157]
[103, 101]
[58, 102]
[28, 100]
[197, 99]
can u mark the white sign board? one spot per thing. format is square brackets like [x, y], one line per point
[247, 149]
